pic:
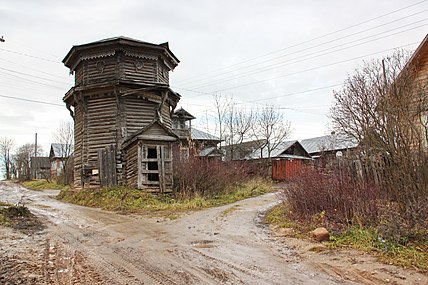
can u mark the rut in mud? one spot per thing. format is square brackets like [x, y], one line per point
[224, 245]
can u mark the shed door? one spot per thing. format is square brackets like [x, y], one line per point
[155, 167]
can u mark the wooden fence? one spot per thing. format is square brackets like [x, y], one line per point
[286, 169]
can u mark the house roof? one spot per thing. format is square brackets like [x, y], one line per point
[328, 143]
[279, 151]
[146, 134]
[203, 136]
[210, 151]
[420, 51]
[59, 150]
[40, 162]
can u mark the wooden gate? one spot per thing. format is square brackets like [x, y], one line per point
[107, 166]
[286, 169]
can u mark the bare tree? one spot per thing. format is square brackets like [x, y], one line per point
[384, 106]
[270, 129]
[239, 124]
[64, 146]
[6, 145]
[221, 104]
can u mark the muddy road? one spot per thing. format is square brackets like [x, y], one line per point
[224, 245]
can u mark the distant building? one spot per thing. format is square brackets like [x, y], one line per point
[242, 150]
[58, 155]
[40, 167]
[331, 146]
[193, 142]
[285, 161]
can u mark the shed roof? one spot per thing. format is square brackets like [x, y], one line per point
[203, 136]
[279, 151]
[328, 143]
[210, 151]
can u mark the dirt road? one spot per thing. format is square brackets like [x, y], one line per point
[224, 245]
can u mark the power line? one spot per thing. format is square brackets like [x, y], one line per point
[33, 81]
[312, 47]
[310, 40]
[32, 101]
[29, 55]
[34, 76]
[314, 55]
[35, 69]
[302, 71]
[305, 91]
[297, 93]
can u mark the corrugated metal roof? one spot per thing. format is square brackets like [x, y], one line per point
[210, 151]
[259, 153]
[200, 135]
[328, 143]
[291, 156]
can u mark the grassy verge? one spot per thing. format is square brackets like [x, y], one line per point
[132, 200]
[42, 184]
[368, 240]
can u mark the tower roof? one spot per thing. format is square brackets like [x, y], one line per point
[103, 48]
[181, 113]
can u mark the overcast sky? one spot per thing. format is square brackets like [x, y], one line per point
[290, 54]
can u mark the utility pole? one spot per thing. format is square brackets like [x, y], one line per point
[35, 146]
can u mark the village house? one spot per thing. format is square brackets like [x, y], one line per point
[242, 150]
[40, 167]
[58, 156]
[331, 146]
[122, 108]
[417, 69]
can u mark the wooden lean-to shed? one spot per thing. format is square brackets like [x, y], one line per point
[286, 159]
[122, 106]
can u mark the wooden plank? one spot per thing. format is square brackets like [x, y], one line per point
[162, 173]
[113, 165]
[161, 184]
[139, 167]
[100, 167]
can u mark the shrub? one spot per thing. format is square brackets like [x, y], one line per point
[207, 178]
[333, 197]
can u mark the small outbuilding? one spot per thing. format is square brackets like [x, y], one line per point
[285, 161]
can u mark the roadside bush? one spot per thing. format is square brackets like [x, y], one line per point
[328, 197]
[404, 224]
[207, 178]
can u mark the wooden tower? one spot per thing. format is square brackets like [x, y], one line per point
[122, 105]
